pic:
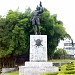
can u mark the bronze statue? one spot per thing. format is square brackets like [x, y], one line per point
[35, 19]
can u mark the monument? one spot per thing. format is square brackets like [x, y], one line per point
[35, 18]
[38, 50]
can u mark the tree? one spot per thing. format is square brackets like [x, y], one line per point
[16, 29]
[54, 30]
[3, 43]
[59, 52]
[16, 26]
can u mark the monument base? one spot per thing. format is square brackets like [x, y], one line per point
[38, 64]
[38, 57]
[38, 48]
[36, 68]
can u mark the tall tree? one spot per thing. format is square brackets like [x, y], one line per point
[16, 28]
[3, 38]
[54, 30]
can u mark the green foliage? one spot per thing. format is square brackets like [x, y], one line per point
[13, 73]
[55, 73]
[59, 52]
[13, 38]
[69, 72]
[54, 30]
[15, 30]
[67, 69]
[61, 60]
[70, 67]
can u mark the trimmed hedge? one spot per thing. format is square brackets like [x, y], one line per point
[70, 72]
[67, 69]
[55, 73]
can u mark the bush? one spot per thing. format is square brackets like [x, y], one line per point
[59, 53]
[70, 72]
[55, 73]
[70, 67]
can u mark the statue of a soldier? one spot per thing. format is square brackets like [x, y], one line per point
[35, 19]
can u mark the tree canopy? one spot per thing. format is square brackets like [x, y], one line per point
[59, 53]
[16, 28]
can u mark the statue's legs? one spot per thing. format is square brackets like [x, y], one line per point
[34, 26]
[38, 28]
[35, 30]
[36, 23]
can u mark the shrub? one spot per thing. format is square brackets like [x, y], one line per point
[70, 67]
[54, 73]
[70, 72]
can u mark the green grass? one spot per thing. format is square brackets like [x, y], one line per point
[61, 60]
[55, 73]
[13, 73]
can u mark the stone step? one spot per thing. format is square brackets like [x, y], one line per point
[38, 64]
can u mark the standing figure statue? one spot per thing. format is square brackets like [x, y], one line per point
[35, 19]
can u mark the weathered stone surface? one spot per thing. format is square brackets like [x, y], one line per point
[8, 69]
[36, 70]
[38, 64]
[38, 48]
[38, 57]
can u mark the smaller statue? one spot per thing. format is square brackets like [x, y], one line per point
[35, 19]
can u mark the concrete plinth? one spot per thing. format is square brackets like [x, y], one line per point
[38, 64]
[38, 48]
[37, 70]
[38, 57]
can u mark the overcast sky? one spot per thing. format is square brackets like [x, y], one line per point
[65, 10]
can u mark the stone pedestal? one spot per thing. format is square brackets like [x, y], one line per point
[38, 57]
[36, 70]
[38, 64]
[38, 48]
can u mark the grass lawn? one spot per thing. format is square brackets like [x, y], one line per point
[61, 60]
[13, 73]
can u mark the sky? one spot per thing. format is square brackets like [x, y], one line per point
[65, 10]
